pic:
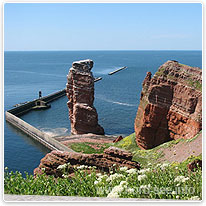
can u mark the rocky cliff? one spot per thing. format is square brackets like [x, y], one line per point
[80, 92]
[103, 162]
[170, 105]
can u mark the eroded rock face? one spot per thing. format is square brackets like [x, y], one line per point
[194, 165]
[170, 105]
[80, 92]
[103, 162]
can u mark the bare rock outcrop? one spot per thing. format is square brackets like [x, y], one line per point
[170, 105]
[103, 162]
[80, 92]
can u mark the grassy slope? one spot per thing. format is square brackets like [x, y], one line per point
[89, 147]
[151, 156]
[144, 157]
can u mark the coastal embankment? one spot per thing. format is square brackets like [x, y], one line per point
[38, 135]
[45, 139]
[24, 108]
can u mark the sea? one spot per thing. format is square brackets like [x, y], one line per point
[116, 96]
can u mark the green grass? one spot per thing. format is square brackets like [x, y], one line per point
[117, 183]
[150, 156]
[160, 71]
[158, 182]
[87, 147]
[195, 84]
[144, 157]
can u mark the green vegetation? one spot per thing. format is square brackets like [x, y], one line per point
[128, 143]
[150, 156]
[160, 71]
[144, 157]
[89, 147]
[153, 181]
[195, 84]
[163, 181]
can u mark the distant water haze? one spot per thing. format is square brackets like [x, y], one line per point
[116, 96]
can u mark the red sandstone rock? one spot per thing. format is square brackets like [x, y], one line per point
[103, 162]
[118, 139]
[170, 105]
[194, 165]
[80, 92]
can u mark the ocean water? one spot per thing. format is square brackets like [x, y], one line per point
[116, 96]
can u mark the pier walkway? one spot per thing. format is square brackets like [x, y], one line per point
[12, 116]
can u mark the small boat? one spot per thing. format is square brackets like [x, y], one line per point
[97, 79]
[117, 70]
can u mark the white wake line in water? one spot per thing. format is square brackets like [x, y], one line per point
[119, 103]
[27, 72]
[54, 132]
[125, 104]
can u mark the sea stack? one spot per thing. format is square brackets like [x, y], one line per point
[170, 105]
[80, 92]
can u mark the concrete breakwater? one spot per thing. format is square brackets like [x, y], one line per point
[43, 138]
[24, 108]
[38, 135]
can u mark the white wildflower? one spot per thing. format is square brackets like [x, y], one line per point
[98, 174]
[43, 169]
[113, 195]
[145, 186]
[6, 168]
[123, 169]
[149, 164]
[96, 182]
[132, 171]
[130, 190]
[142, 171]
[158, 165]
[177, 197]
[176, 168]
[195, 198]
[117, 190]
[164, 165]
[114, 176]
[181, 179]
[102, 177]
[123, 183]
[141, 177]
[60, 167]
[65, 176]
[174, 192]
[81, 167]
[114, 165]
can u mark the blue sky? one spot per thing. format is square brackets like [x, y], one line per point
[102, 26]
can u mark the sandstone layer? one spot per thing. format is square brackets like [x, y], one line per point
[170, 105]
[80, 92]
[103, 162]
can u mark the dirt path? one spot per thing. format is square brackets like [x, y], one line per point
[85, 138]
[181, 151]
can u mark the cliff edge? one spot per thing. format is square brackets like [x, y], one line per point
[170, 105]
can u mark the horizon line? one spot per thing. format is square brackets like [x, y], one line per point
[108, 50]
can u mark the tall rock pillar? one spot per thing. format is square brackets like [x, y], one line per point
[80, 92]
